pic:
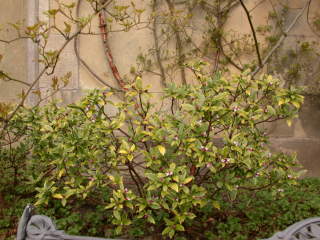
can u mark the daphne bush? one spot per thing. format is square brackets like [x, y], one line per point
[169, 170]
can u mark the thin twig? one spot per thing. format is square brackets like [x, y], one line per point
[43, 71]
[7, 78]
[13, 40]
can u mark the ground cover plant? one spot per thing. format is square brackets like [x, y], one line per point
[243, 221]
[159, 171]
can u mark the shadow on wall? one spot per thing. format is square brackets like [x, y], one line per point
[310, 116]
[307, 146]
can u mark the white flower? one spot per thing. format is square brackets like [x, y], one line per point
[203, 148]
[225, 160]
[236, 108]
[169, 173]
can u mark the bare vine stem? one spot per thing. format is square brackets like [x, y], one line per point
[81, 60]
[108, 52]
[256, 44]
[179, 44]
[156, 43]
[282, 38]
[308, 20]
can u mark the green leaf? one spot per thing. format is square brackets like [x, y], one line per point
[53, 12]
[166, 230]
[130, 157]
[171, 233]
[271, 110]
[122, 151]
[67, 27]
[142, 207]
[116, 214]
[191, 215]
[233, 195]
[174, 186]
[152, 187]
[162, 150]
[61, 173]
[151, 219]
[172, 166]
[247, 162]
[216, 205]
[118, 229]
[111, 205]
[176, 178]
[188, 107]
[122, 116]
[296, 104]
[179, 227]
[57, 195]
[155, 205]
[64, 202]
[281, 101]
[187, 180]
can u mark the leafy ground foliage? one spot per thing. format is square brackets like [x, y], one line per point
[242, 221]
[199, 168]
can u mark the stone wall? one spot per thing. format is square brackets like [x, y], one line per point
[14, 55]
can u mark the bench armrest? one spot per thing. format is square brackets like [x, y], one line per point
[303, 230]
[40, 227]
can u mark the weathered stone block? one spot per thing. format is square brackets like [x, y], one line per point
[307, 149]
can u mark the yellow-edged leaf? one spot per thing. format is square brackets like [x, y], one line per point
[133, 147]
[122, 151]
[187, 180]
[175, 178]
[216, 204]
[174, 187]
[57, 195]
[162, 150]
[190, 140]
[61, 173]
[296, 104]
[281, 101]
[64, 202]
